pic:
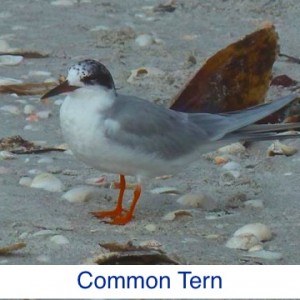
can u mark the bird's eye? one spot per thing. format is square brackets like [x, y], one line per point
[89, 79]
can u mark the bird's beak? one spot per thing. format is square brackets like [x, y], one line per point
[61, 88]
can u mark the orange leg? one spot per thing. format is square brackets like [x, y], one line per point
[118, 209]
[126, 218]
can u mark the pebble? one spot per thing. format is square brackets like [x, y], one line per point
[261, 231]
[198, 201]
[144, 40]
[48, 182]
[45, 160]
[10, 60]
[44, 114]
[242, 242]
[7, 81]
[29, 109]
[174, 215]
[220, 160]
[263, 254]
[25, 181]
[231, 166]
[234, 148]
[165, 190]
[151, 227]
[257, 247]
[79, 194]
[11, 109]
[59, 240]
[254, 204]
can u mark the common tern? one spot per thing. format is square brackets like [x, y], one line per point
[127, 135]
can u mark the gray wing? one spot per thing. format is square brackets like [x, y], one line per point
[153, 129]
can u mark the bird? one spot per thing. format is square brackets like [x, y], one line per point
[131, 136]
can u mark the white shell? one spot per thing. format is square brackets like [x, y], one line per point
[48, 182]
[151, 227]
[10, 60]
[197, 200]
[7, 155]
[144, 40]
[254, 203]
[44, 114]
[25, 181]
[235, 148]
[59, 240]
[29, 109]
[242, 242]
[261, 231]
[11, 109]
[79, 194]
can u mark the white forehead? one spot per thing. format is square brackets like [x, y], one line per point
[76, 73]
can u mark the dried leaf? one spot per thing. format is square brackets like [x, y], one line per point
[17, 145]
[25, 89]
[283, 80]
[26, 54]
[10, 248]
[235, 78]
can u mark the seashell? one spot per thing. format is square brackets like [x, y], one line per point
[79, 194]
[151, 227]
[234, 148]
[257, 247]
[39, 73]
[263, 254]
[254, 204]
[7, 155]
[220, 160]
[29, 109]
[48, 182]
[144, 40]
[151, 244]
[44, 114]
[278, 148]
[173, 215]
[165, 190]
[11, 109]
[8, 81]
[197, 200]
[232, 166]
[10, 60]
[59, 240]
[261, 231]
[25, 181]
[242, 242]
